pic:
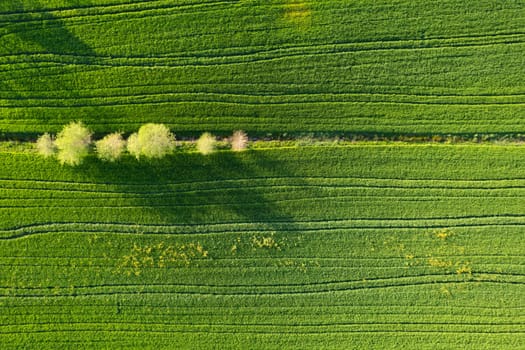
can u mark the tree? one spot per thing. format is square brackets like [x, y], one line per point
[46, 146]
[73, 143]
[111, 147]
[206, 143]
[133, 145]
[239, 141]
[151, 141]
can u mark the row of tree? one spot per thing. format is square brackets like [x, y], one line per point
[74, 143]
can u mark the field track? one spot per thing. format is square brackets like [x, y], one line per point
[281, 66]
[371, 246]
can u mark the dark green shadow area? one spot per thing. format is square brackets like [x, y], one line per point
[49, 32]
[252, 187]
[33, 38]
[36, 29]
[198, 190]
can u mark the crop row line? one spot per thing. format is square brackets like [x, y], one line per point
[254, 312]
[381, 307]
[258, 51]
[348, 86]
[260, 231]
[301, 258]
[94, 61]
[369, 284]
[282, 97]
[272, 325]
[425, 182]
[168, 101]
[137, 8]
[274, 197]
[78, 7]
[51, 94]
[144, 203]
[143, 287]
[140, 331]
[269, 226]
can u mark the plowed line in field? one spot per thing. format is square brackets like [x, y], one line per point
[263, 94]
[59, 15]
[273, 197]
[94, 63]
[185, 86]
[266, 325]
[261, 99]
[380, 283]
[143, 287]
[489, 310]
[426, 182]
[272, 264]
[135, 3]
[302, 258]
[249, 227]
[256, 56]
[167, 102]
[139, 331]
[297, 311]
[11, 236]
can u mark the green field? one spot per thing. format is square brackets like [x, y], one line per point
[279, 66]
[354, 247]
[327, 233]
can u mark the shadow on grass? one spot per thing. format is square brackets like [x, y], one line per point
[41, 29]
[28, 39]
[191, 189]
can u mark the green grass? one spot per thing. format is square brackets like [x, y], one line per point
[355, 247]
[335, 66]
[367, 246]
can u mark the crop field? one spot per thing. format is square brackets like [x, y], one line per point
[353, 247]
[326, 233]
[280, 66]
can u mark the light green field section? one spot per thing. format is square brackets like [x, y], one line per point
[278, 66]
[356, 247]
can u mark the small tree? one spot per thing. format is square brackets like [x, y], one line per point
[206, 143]
[73, 143]
[151, 141]
[111, 147]
[133, 145]
[239, 141]
[46, 146]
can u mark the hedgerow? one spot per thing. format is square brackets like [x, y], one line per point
[152, 141]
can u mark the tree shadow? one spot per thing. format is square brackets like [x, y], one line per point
[38, 33]
[35, 37]
[38, 28]
[191, 189]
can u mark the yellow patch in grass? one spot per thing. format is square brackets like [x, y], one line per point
[439, 263]
[160, 255]
[265, 242]
[464, 269]
[297, 12]
[443, 234]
